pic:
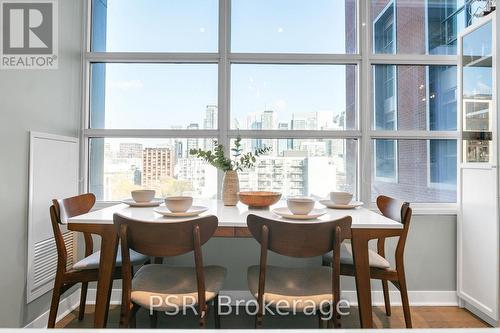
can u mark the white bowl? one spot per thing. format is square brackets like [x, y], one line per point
[341, 198]
[143, 195]
[178, 204]
[300, 205]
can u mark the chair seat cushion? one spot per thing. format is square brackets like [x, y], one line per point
[305, 287]
[375, 260]
[174, 285]
[92, 261]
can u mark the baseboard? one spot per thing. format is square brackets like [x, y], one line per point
[481, 315]
[116, 296]
[66, 306]
[417, 298]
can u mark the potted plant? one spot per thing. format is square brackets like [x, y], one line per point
[240, 162]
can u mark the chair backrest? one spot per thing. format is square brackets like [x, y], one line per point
[69, 207]
[165, 239]
[399, 211]
[60, 211]
[300, 240]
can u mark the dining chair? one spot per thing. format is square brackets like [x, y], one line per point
[302, 287]
[168, 287]
[380, 268]
[85, 270]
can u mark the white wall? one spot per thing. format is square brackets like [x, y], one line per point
[44, 101]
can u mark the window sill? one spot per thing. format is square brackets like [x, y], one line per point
[430, 209]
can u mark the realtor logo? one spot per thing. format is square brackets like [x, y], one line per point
[28, 34]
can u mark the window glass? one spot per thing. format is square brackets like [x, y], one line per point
[154, 96]
[415, 98]
[293, 26]
[302, 166]
[419, 27]
[293, 97]
[415, 170]
[120, 165]
[155, 26]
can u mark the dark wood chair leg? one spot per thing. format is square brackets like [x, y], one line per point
[320, 319]
[83, 300]
[125, 316]
[202, 319]
[133, 313]
[335, 316]
[54, 304]
[153, 319]
[387, 301]
[216, 312]
[258, 320]
[404, 297]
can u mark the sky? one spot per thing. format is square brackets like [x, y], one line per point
[166, 95]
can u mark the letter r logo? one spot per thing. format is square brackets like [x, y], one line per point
[27, 27]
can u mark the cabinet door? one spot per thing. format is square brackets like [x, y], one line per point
[478, 259]
[477, 94]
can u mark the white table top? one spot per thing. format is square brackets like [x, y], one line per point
[236, 216]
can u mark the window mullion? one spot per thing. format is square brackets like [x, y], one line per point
[224, 82]
[365, 151]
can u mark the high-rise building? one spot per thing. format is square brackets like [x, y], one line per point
[210, 121]
[269, 121]
[201, 176]
[285, 174]
[157, 163]
[283, 144]
[130, 150]
[193, 143]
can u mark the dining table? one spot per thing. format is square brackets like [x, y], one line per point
[366, 225]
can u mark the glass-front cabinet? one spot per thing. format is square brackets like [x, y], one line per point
[478, 200]
[477, 79]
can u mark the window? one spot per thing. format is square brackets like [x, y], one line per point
[386, 161]
[426, 171]
[167, 76]
[418, 27]
[415, 97]
[293, 97]
[293, 26]
[384, 30]
[154, 96]
[302, 166]
[155, 26]
[161, 164]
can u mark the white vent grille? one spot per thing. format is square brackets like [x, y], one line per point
[45, 260]
[53, 166]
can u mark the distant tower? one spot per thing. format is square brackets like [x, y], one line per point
[269, 121]
[157, 163]
[193, 143]
[210, 122]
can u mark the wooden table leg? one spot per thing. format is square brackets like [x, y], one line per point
[109, 244]
[359, 241]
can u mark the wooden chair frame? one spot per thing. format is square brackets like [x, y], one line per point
[401, 212]
[164, 240]
[65, 279]
[299, 240]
